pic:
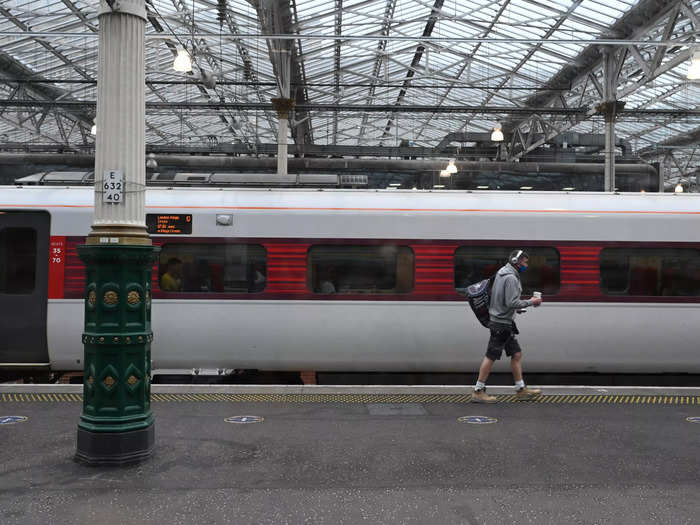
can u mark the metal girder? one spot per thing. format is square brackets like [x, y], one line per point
[378, 59]
[249, 72]
[336, 60]
[465, 66]
[67, 61]
[275, 17]
[429, 26]
[643, 16]
[150, 9]
[203, 50]
[9, 67]
[77, 12]
[638, 21]
[354, 108]
[311, 150]
[689, 138]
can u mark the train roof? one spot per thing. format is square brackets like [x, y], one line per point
[375, 200]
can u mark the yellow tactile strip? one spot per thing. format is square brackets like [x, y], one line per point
[374, 398]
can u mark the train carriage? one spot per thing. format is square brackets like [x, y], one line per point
[357, 280]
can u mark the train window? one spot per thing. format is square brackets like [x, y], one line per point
[17, 260]
[336, 269]
[475, 263]
[213, 268]
[650, 271]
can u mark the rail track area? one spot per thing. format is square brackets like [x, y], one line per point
[302, 454]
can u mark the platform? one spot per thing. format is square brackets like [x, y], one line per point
[363, 454]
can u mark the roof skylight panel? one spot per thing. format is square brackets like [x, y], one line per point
[608, 18]
[613, 8]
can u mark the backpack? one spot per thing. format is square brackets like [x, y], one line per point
[479, 297]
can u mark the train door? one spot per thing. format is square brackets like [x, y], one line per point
[24, 254]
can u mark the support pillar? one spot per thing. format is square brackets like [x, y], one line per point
[283, 106]
[610, 109]
[116, 425]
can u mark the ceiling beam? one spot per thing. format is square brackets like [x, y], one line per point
[275, 17]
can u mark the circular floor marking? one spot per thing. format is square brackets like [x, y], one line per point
[11, 420]
[693, 419]
[244, 419]
[477, 420]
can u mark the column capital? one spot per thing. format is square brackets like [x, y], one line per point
[126, 7]
[610, 109]
[283, 106]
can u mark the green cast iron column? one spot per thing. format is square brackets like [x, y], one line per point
[116, 425]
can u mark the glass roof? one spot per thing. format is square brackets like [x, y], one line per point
[442, 65]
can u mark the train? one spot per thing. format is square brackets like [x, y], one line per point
[366, 280]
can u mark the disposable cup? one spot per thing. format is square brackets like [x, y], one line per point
[537, 295]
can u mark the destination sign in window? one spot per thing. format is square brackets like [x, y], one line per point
[170, 224]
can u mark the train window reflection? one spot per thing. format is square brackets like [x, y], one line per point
[213, 268]
[360, 269]
[475, 263]
[650, 271]
[17, 260]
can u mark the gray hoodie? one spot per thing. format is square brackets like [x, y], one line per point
[505, 295]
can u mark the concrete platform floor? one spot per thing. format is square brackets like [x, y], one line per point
[341, 463]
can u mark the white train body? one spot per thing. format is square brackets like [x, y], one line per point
[419, 331]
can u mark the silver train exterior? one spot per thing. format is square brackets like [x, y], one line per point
[366, 334]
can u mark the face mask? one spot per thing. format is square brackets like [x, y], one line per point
[521, 269]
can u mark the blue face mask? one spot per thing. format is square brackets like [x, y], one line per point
[521, 269]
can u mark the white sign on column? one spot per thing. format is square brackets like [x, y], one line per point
[113, 186]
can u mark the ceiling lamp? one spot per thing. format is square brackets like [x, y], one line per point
[451, 168]
[679, 188]
[93, 129]
[497, 134]
[151, 162]
[182, 62]
[694, 68]
[444, 173]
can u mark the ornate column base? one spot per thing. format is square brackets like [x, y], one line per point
[120, 448]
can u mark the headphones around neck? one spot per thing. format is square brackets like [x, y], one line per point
[515, 259]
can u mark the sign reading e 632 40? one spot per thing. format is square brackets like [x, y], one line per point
[170, 224]
[113, 187]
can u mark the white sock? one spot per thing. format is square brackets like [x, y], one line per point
[480, 385]
[520, 384]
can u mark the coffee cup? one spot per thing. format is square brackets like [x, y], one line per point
[537, 295]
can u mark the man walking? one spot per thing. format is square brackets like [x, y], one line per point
[505, 301]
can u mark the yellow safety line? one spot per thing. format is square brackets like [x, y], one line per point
[371, 398]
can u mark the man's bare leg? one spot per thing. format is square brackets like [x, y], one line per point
[485, 369]
[516, 366]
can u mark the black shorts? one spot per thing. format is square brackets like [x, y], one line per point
[502, 337]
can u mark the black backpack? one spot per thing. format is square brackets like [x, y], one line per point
[479, 297]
